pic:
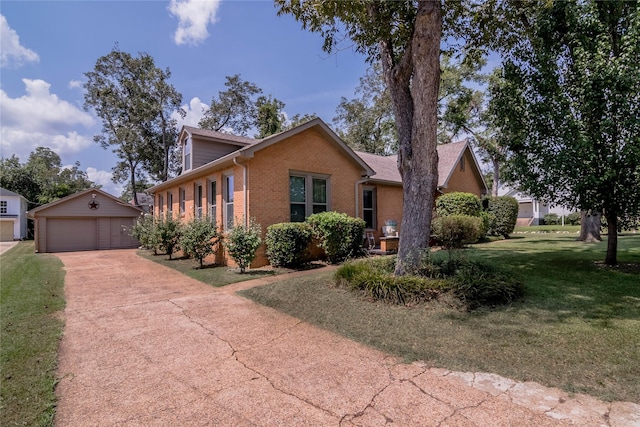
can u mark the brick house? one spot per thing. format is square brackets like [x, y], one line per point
[290, 175]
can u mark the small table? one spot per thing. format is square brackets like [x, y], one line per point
[389, 244]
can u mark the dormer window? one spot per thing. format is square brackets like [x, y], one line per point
[186, 154]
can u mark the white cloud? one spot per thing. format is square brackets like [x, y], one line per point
[195, 110]
[193, 18]
[75, 84]
[103, 178]
[12, 53]
[40, 118]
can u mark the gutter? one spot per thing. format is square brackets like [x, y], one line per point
[244, 190]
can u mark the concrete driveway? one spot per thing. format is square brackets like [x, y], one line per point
[146, 346]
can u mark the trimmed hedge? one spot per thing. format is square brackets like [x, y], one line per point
[338, 234]
[288, 243]
[505, 212]
[458, 203]
[454, 231]
[551, 219]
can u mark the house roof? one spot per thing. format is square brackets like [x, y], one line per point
[8, 193]
[386, 167]
[251, 146]
[32, 212]
[219, 136]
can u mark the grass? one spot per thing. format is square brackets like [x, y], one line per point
[578, 327]
[31, 301]
[213, 275]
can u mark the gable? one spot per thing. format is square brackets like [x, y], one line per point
[88, 203]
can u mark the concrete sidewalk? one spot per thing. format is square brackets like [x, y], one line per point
[146, 346]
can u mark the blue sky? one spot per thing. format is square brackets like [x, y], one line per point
[47, 46]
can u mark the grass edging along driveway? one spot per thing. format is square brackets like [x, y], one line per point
[214, 275]
[578, 327]
[31, 303]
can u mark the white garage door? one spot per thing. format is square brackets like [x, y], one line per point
[65, 235]
[6, 231]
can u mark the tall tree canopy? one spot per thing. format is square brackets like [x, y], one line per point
[270, 118]
[134, 100]
[43, 178]
[570, 109]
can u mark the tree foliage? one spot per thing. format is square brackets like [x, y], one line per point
[43, 178]
[134, 101]
[270, 118]
[570, 107]
[405, 36]
[242, 242]
[200, 238]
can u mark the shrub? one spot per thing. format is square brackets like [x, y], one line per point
[478, 283]
[375, 279]
[458, 203]
[146, 232]
[169, 233]
[505, 214]
[573, 218]
[338, 234]
[288, 243]
[454, 231]
[200, 238]
[551, 219]
[242, 242]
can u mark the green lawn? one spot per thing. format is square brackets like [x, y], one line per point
[578, 327]
[31, 304]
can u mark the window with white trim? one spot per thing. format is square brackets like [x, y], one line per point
[3, 207]
[160, 204]
[182, 194]
[186, 154]
[308, 194]
[228, 202]
[198, 200]
[212, 205]
[369, 207]
[169, 202]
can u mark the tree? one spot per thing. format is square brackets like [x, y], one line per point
[405, 36]
[200, 238]
[367, 123]
[42, 179]
[569, 109]
[298, 119]
[270, 118]
[133, 99]
[234, 110]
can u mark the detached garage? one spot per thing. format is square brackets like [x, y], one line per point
[85, 221]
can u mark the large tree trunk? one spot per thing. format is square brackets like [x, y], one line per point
[612, 238]
[414, 82]
[590, 226]
[496, 177]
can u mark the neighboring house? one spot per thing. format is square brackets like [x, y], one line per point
[293, 174]
[145, 202]
[13, 216]
[530, 210]
[88, 220]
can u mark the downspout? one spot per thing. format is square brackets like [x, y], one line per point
[357, 194]
[244, 190]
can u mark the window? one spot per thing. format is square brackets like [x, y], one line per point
[462, 163]
[228, 202]
[169, 202]
[160, 204]
[212, 201]
[3, 206]
[186, 152]
[369, 207]
[182, 194]
[198, 200]
[300, 188]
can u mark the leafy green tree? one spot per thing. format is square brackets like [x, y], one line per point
[133, 99]
[298, 119]
[569, 109]
[270, 118]
[145, 230]
[169, 232]
[235, 109]
[367, 123]
[42, 179]
[200, 238]
[242, 242]
[405, 36]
